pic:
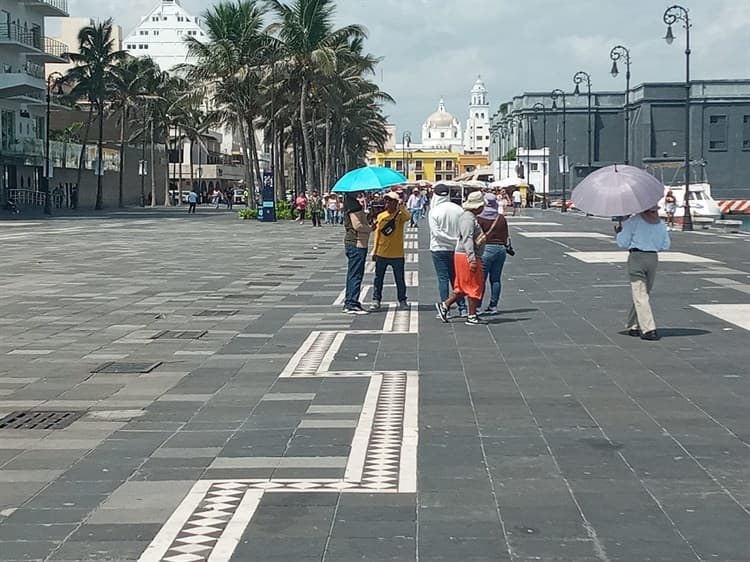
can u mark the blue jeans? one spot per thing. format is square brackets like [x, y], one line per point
[443, 262]
[493, 260]
[397, 264]
[355, 271]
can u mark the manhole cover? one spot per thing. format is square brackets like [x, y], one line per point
[30, 419]
[118, 367]
[179, 334]
[216, 313]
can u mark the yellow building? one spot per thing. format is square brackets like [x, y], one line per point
[430, 165]
[468, 163]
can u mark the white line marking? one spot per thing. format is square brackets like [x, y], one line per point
[329, 356]
[301, 352]
[232, 534]
[361, 437]
[407, 477]
[390, 318]
[168, 533]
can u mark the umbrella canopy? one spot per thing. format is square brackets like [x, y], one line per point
[369, 178]
[617, 190]
[507, 182]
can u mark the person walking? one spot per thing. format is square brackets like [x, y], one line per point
[388, 249]
[216, 198]
[230, 198]
[670, 207]
[503, 201]
[414, 205]
[495, 229]
[333, 208]
[443, 221]
[517, 202]
[316, 209]
[356, 237]
[644, 235]
[192, 200]
[301, 205]
[467, 262]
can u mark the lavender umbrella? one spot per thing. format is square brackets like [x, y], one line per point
[617, 190]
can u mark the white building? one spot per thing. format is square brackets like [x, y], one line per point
[441, 130]
[24, 50]
[477, 137]
[161, 34]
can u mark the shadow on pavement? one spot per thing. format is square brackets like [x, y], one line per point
[681, 332]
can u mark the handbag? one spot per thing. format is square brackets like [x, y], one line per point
[481, 238]
[509, 248]
[388, 227]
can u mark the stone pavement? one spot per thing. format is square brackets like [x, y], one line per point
[210, 402]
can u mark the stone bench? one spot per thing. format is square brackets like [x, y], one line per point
[729, 225]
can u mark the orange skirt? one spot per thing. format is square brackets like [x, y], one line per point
[467, 283]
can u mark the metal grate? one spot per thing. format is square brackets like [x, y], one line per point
[30, 419]
[119, 368]
[216, 313]
[180, 334]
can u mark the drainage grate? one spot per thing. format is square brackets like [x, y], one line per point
[118, 368]
[180, 334]
[216, 313]
[30, 419]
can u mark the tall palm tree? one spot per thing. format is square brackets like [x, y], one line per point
[309, 41]
[92, 77]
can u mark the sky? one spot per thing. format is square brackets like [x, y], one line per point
[437, 48]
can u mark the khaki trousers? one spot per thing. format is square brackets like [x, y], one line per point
[642, 272]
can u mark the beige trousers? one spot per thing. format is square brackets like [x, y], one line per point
[642, 272]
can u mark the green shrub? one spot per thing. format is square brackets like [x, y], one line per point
[283, 210]
[248, 214]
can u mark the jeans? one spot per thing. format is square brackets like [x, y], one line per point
[315, 216]
[443, 262]
[493, 260]
[397, 264]
[355, 271]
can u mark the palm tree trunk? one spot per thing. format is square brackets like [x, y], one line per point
[192, 177]
[180, 154]
[316, 141]
[307, 145]
[254, 153]
[123, 116]
[100, 157]
[246, 163]
[153, 168]
[82, 155]
[327, 173]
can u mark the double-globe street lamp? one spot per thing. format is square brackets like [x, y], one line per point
[53, 80]
[558, 93]
[406, 141]
[578, 78]
[537, 107]
[620, 52]
[672, 15]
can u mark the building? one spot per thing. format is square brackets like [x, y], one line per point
[24, 50]
[161, 35]
[442, 130]
[471, 162]
[420, 164]
[66, 32]
[719, 131]
[477, 134]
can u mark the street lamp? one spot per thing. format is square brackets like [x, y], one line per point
[507, 130]
[406, 138]
[54, 79]
[537, 107]
[555, 94]
[620, 52]
[578, 78]
[672, 15]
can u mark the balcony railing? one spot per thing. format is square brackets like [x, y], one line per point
[61, 5]
[31, 69]
[55, 48]
[14, 32]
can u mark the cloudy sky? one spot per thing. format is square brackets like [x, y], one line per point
[434, 48]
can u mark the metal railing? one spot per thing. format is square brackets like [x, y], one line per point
[55, 48]
[27, 197]
[14, 32]
[59, 4]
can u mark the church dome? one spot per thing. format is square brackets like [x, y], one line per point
[441, 118]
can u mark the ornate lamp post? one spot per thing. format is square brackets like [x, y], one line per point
[406, 141]
[507, 132]
[578, 78]
[619, 52]
[537, 107]
[555, 94]
[672, 15]
[53, 80]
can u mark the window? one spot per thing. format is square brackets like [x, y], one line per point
[155, 32]
[717, 132]
[388, 164]
[448, 177]
[179, 32]
[180, 18]
[155, 18]
[419, 177]
[143, 32]
[418, 163]
[438, 177]
[439, 165]
[449, 164]
[482, 115]
[746, 132]
[534, 166]
[442, 135]
[399, 164]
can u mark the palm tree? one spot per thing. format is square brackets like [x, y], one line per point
[92, 77]
[309, 42]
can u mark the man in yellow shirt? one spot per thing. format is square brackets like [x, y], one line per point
[389, 249]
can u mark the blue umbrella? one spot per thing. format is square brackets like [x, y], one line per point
[369, 178]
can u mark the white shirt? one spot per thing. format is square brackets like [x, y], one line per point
[517, 196]
[443, 220]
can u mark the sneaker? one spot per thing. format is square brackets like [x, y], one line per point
[490, 311]
[463, 313]
[474, 320]
[354, 310]
[403, 305]
[375, 306]
[442, 311]
[358, 306]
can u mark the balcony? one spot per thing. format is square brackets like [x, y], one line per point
[21, 80]
[37, 48]
[52, 8]
[53, 51]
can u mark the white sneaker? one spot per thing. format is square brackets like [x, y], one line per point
[490, 311]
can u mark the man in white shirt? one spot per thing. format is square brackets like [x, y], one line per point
[443, 220]
[644, 235]
[517, 202]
